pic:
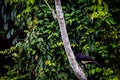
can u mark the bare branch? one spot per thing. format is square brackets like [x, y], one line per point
[77, 70]
[52, 10]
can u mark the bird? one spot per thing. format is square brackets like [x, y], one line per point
[84, 59]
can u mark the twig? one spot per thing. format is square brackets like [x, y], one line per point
[52, 10]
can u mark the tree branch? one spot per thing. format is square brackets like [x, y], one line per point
[77, 70]
[52, 10]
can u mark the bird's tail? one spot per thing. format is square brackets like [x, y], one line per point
[96, 63]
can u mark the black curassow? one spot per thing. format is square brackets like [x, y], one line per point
[84, 59]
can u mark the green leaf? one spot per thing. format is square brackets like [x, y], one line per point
[94, 8]
[99, 8]
[93, 71]
[6, 26]
[107, 21]
[99, 2]
[98, 70]
[111, 20]
[8, 35]
[33, 52]
[12, 31]
[32, 1]
[105, 7]
[15, 40]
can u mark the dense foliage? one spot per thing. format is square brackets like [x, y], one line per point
[31, 47]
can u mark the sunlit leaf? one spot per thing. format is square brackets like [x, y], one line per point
[99, 2]
[105, 7]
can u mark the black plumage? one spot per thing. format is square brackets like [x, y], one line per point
[84, 59]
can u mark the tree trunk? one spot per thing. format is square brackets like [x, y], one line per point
[77, 70]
